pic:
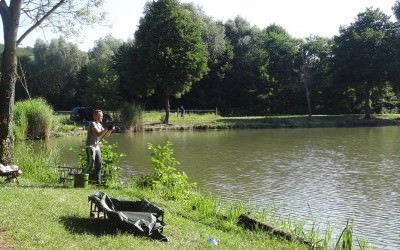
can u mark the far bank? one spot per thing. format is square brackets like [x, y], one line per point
[152, 121]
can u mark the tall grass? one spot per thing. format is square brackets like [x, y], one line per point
[33, 119]
[131, 115]
[36, 163]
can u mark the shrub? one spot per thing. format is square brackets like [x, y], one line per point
[110, 159]
[131, 116]
[33, 119]
[165, 175]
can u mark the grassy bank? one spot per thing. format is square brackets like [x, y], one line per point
[152, 121]
[211, 121]
[39, 217]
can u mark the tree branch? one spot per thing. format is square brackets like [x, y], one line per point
[4, 8]
[34, 26]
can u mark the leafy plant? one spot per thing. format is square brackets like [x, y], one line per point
[165, 175]
[110, 160]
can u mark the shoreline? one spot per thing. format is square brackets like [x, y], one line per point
[200, 123]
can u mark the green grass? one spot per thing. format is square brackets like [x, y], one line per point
[39, 217]
[152, 121]
[33, 119]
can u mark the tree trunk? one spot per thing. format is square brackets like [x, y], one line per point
[167, 108]
[367, 107]
[308, 101]
[10, 17]
[253, 224]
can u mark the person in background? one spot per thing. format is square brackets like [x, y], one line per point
[95, 133]
[182, 111]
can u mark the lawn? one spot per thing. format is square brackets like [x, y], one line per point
[54, 217]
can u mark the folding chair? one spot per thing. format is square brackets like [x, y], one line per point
[10, 175]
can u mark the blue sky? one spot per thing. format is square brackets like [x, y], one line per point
[300, 18]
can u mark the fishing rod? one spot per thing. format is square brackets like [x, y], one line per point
[110, 127]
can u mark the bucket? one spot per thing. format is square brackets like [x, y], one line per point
[81, 180]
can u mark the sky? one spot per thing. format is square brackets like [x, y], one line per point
[300, 18]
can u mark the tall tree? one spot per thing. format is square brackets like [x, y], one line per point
[63, 16]
[361, 55]
[169, 50]
[101, 81]
[245, 86]
[208, 92]
[283, 68]
[315, 55]
[55, 71]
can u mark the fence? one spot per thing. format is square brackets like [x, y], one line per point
[177, 111]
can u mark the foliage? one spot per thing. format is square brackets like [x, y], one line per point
[101, 80]
[64, 15]
[165, 175]
[33, 119]
[110, 160]
[345, 240]
[251, 71]
[315, 62]
[131, 115]
[384, 99]
[282, 69]
[246, 86]
[361, 57]
[67, 16]
[36, 163]
[168, 53]
[55, 72]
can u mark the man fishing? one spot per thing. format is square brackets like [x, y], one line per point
[96, 133]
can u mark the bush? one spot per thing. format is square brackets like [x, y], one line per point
[110, 159]
[33, 119]
[165, 176]
[131, 115]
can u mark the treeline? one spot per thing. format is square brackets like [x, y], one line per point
[250, 70]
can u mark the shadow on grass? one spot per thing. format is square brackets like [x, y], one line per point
[30, 185]
[78, 225]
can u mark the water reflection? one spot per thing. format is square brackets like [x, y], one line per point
[335, 174]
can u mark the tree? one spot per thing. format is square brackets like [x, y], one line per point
[101, 81]
[62, 15]
[55, 71]
[360, 54]
[283, 68]
[245, 86]
[208, 92]
[316, 54]
[169, 51]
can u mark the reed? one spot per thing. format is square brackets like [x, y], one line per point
[33, 119]
[36, 163]
[131, 115]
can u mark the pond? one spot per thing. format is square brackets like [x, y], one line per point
[328, 175]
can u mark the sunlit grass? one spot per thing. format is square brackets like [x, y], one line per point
[58, 218]
[213, 121]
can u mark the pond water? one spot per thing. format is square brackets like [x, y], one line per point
[330, 175]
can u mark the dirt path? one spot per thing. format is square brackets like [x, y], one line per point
[4, 242]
